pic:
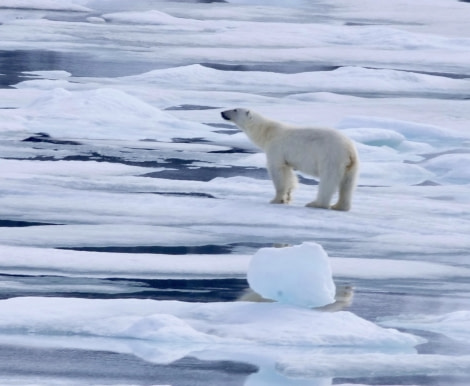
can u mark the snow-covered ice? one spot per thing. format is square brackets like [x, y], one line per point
[19, 260]
[456, 324]
[241, 323]
[54, 5]
[383, 364]
[117, 173]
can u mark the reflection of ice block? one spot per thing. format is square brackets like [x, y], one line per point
[299, 275]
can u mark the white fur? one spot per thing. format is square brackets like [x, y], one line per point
[320, 152]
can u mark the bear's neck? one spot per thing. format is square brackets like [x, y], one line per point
[261, 136]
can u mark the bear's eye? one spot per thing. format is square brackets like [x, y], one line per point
[236, 110]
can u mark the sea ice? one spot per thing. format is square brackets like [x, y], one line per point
[299, 275]
[19, 260]
[395, 81]
[342, 80]
[456, 325]
[383, 365]
[411, 130]
[152, 17]
[223, 323]
[53, 5]
[376, 137]
[393, 174]
[450, 168]
[103, 113]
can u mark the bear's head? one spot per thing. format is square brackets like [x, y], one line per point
[259, 129]
[241, 117]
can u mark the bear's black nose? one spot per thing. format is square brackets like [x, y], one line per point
[225, 116]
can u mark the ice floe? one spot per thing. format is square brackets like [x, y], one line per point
[384, 365]
[455, 325]
[54, 5]
[20, 260]
[353, 80]
[108, 113]
[239, 323]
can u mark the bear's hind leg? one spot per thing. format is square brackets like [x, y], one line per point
[285, 181]
[326, 189]
[346, 187]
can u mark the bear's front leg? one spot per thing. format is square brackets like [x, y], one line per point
[279, 199]
[284, 181]
[282, 198]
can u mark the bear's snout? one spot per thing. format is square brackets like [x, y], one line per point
[225, 115]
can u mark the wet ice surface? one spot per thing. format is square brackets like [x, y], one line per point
[129, 212]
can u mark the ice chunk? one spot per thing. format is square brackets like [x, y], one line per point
[299, 275]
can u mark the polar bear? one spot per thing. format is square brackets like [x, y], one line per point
[320, 152]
